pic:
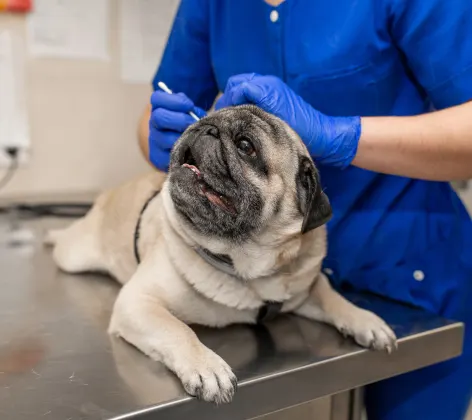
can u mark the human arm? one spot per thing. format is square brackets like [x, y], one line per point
[434, 146]
[185, 67]
[143, 132]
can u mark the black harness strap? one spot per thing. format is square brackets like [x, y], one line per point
[223, 263]
[269, 311]
[137, 229]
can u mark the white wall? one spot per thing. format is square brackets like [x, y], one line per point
[83, 122]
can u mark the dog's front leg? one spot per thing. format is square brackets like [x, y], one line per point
[326, 305]
[140, 317]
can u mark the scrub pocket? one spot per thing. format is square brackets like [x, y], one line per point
[438, 280]
[367, 89]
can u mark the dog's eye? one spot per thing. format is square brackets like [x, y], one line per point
[246, 147]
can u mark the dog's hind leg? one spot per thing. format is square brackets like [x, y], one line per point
[76, 248]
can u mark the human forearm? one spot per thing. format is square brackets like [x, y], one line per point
[143, 132]
[434, 146]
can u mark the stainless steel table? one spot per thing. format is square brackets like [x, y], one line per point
[58, 363]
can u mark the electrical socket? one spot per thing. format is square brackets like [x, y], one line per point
[23, 158]
[14, 126]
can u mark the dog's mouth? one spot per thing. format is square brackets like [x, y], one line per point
[204, 189]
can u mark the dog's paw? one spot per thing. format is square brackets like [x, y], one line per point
[51, 237]
[208, 378]
[368, 330]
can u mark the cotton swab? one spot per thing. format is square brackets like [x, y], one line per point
[164, 87]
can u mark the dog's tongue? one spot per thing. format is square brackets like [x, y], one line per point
[218, 200]
[193, 168]
[212, 196]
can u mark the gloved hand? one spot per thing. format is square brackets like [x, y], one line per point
[330, 140]
[169, 119]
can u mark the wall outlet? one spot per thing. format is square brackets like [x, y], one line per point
[14, 126]
[23, 158]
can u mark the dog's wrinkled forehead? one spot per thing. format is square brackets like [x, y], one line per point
[251, 120]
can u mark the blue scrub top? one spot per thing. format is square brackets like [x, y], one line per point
[404, 238]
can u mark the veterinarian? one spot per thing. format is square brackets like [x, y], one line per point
[378, 91]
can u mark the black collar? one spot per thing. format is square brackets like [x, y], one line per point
[221, 262]
[267, 312]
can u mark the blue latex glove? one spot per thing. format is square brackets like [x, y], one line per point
[169, 119]
[330, 140]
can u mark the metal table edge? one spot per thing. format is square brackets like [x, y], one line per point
[409, 348]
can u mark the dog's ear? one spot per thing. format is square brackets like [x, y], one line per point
[313, 202]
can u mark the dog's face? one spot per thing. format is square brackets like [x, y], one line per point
[241, 171]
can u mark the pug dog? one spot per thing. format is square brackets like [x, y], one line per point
[234, 234]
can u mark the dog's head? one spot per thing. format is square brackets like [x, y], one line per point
[240, 173]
